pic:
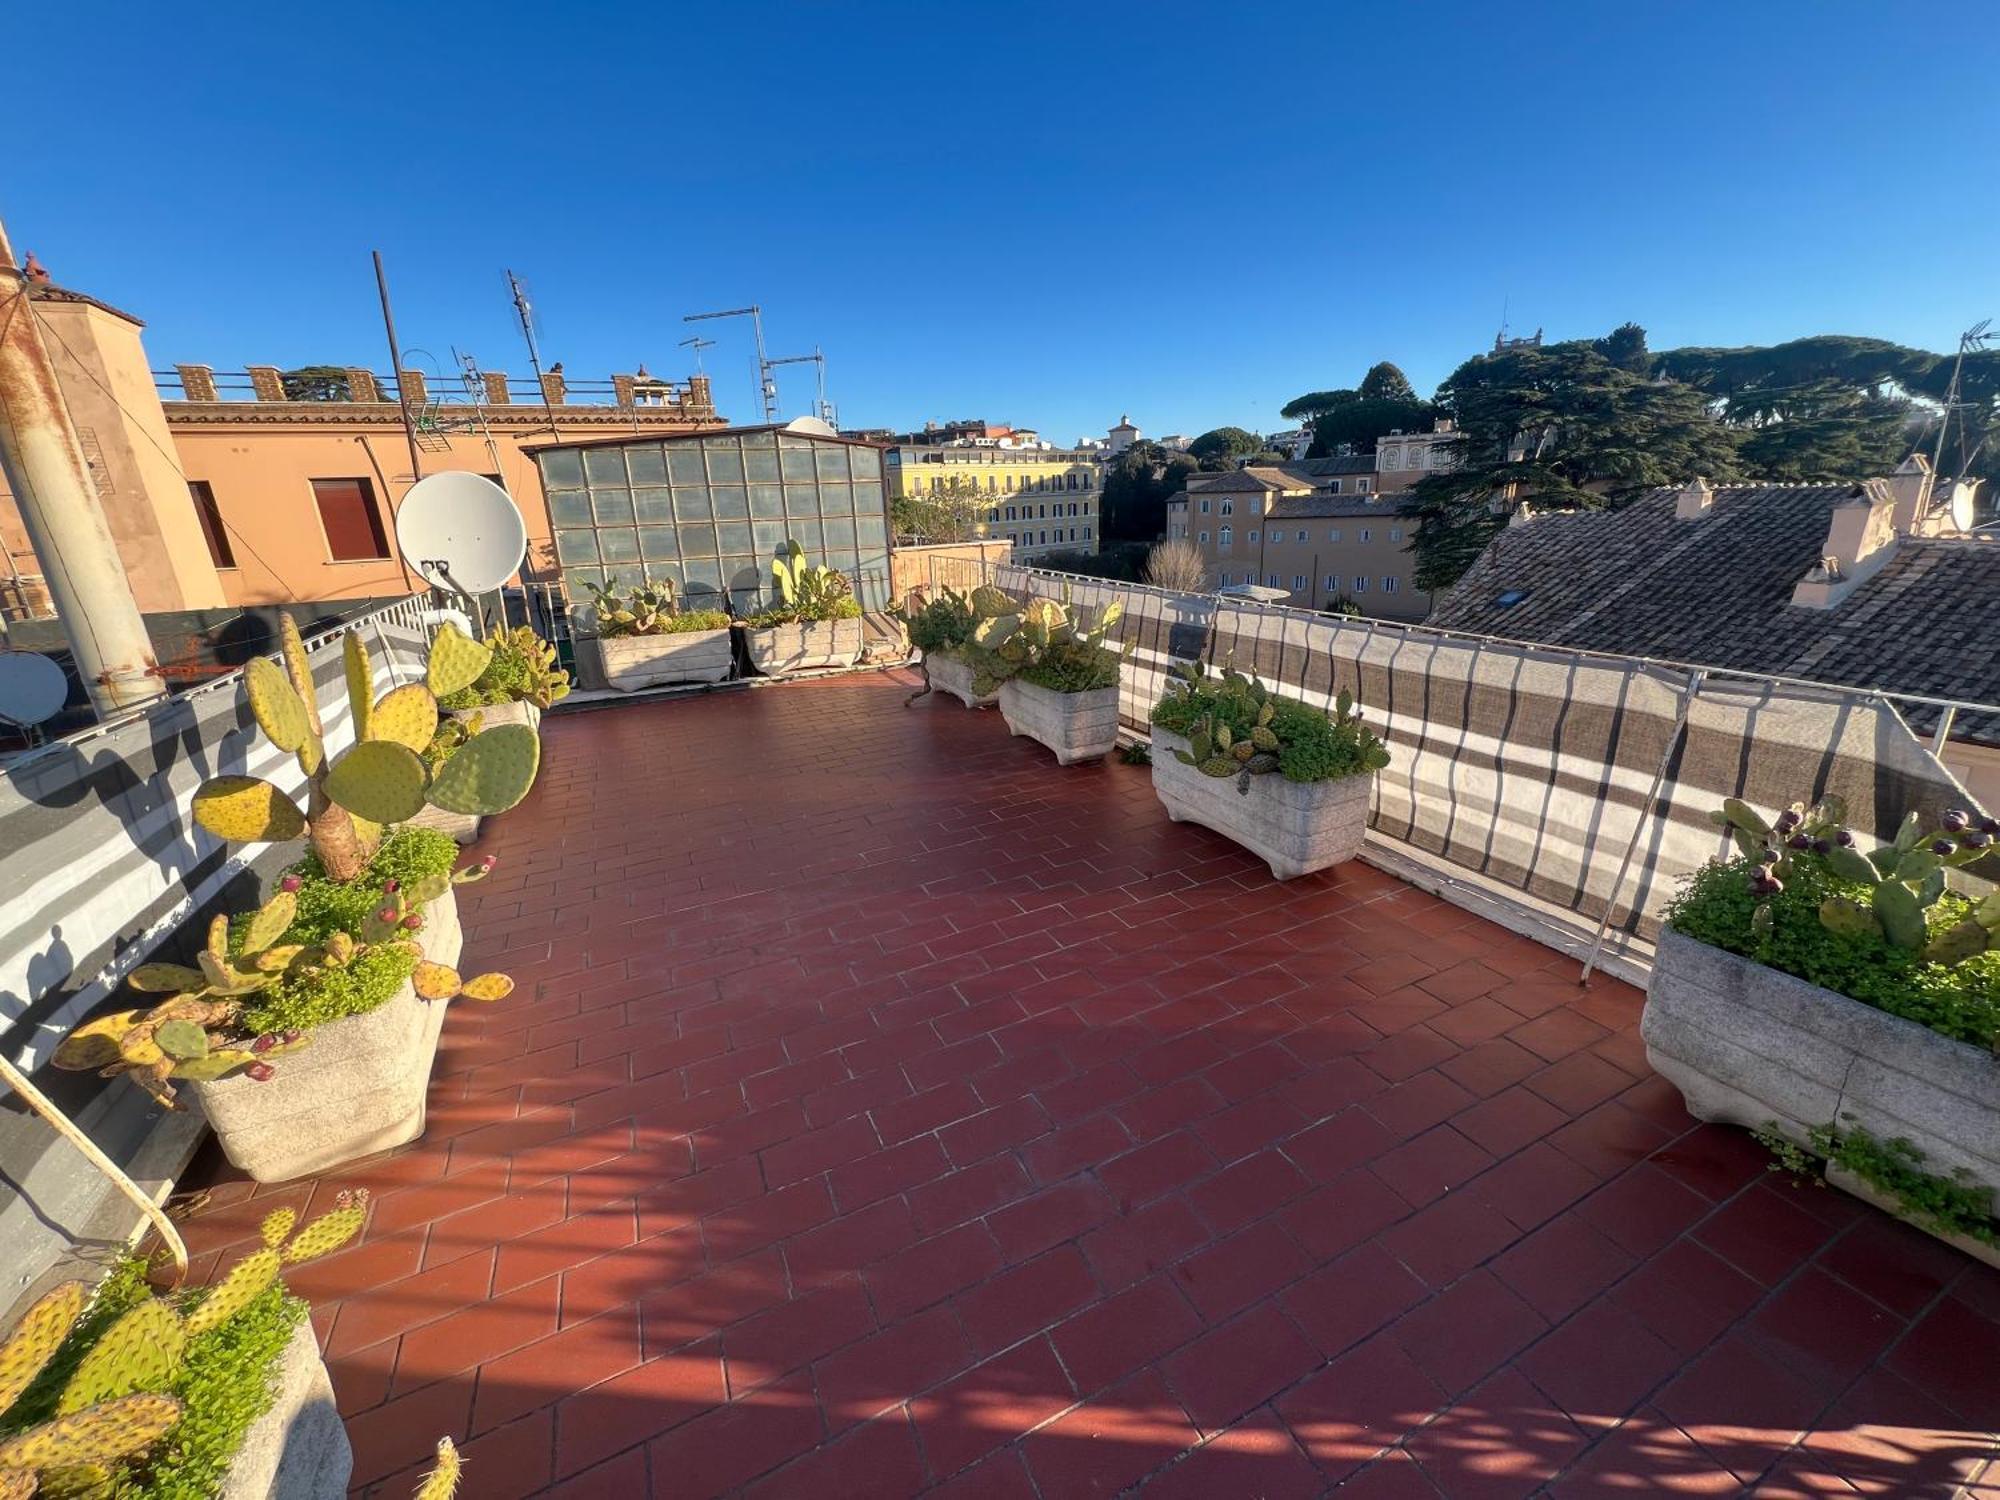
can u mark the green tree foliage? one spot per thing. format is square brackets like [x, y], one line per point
[1136, 486]
[1219, 447]
[1625, 347]
[1352, 421]
[1564, 425]
[1821, 430]
[316, 383]
[1386, 382]
[953, 514]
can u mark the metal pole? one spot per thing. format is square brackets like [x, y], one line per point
[45, 467]
[396, 369]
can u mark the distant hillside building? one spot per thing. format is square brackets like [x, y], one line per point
[1120, 437]
[1043, 500]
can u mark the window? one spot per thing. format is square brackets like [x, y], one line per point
[1072, 533]
[1224, 536]
[1270, 580]
[1224, 580]
[348, 516]
[1072, 481]
[1204, 539]
[1045, 512]
[1333, 535]
[1360, 584]
[1086, 533]
[1361, 486]
[1302, 533]
[1389, 585]
[1229, 507]
[1045, 539]
[212, 529]
[1395, 533]
[1086, 479]
[1204, 507]
[1072, 507]
[1298, 583]
[1252, 537]
[992, 515]
[1332, 583]
[1364, 534]
[1333, 487]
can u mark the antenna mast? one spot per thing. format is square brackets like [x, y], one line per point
[1977, 336]
[697, 343]
[526, 313]
[822, 408]
[767, 388]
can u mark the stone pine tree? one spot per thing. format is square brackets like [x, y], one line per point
[1353, 421]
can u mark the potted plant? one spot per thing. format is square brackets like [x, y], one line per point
[645, 639]
[815, 624]
[1217, 742]
[941, 627]
[520, 681]
[1060, 678]
[1810, 984]
[451, 736]
[219, 1391]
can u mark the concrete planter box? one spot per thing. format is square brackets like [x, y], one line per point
[632, 662]
[778, 649]
[1076, 726]
[461, 827]
[1295, 827]
[357, 1087]
[298, 1449]
[493, 715]
[948, 674]
[1868, 1193]
[1753, 1046]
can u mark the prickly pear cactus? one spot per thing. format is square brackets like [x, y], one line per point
[277, 1226]
[408, 715]
[435, 981]
[330, 1230]
[247, 1280]
[247, 810]
[36, 1338]
[456, 661]
[381, 780]
[360, 681]
[487, 987]
[140, 1352]
[99, 1434]
[490, 773]
[442, 1481]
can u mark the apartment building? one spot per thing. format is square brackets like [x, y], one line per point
[1276, 527]
[1043, 500]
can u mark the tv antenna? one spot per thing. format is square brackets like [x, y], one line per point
[525, 311]
[822, 408]
[32, 688]
[1978, 336]
[767, 388]
[697, 343]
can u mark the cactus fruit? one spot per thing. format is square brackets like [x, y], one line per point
[456, 661]
[442, 1481]
[490, 773]
[408, 715]
[100, 1434]
[247, 810]
[36, 1338]
[139, 1352]
[246, 1281]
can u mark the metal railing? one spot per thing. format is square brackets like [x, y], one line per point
[238, 385]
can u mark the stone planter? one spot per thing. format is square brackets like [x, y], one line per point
[632, 662]
[1295, 827]
[778, 649]
[1076, 726]
[357, 1087]
[493, 715]
[298, 1449]
[1754, 1047]
[461, 827]
[948, 674]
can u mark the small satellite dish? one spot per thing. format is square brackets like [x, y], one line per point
[1963, 511]
[461, 532]
[32, 688]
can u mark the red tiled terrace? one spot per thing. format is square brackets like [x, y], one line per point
[884, 1110]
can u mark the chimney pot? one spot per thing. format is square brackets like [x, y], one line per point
[1695, 500]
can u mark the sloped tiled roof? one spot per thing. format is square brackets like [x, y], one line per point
[1246, 481]
[1716, 591]
[1328, 468]
[1321, 503]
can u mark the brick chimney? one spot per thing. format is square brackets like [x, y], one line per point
[553, 390]
[265, 383]
[1860, 537]
[1694, 501]
[698, 397]
[621, 388]
[361, 385]
[410, 383]
[495, 382]
[197, 383]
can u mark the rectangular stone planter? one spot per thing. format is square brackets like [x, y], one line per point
[357, 1087]
[1753, 1046]
[632, 662]
[493, 715]
[1076, 726]
[298, 1449]
[778, 649]
[948, 674]
[462, 827]
[1295, 827]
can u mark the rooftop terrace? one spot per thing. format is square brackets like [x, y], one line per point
[883, 1111]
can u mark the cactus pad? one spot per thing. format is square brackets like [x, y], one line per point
[277, 1226]
[277, 960]
[246, 1282]
[360, 681]
[270, 922]
[487, 987]
[379, 780]
[95, 1044]
[1957, 943]
[298, 668]
[139, 1047]
[408, 715]
[490, 773]
[99, 1434]
[456, 661]
[139, 1352]
[247, 810]
[435, 981]
[1901, 915]
[328, 1232]
[35, 1338]
[165, 979]
[183, 1041]
[279, 710]
[222, 1062]
[17, 1484]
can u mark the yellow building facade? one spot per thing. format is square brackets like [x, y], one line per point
[1042, 500]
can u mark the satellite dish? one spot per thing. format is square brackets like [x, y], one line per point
[32, 688]
[1963, 511]
[462, 532]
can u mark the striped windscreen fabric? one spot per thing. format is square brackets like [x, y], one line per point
[100, 854]
[1535, 768]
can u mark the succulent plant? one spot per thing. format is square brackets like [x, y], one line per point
[114, 1406]
[809, 593]
[442, 1481]
[382, 778]
[1232, 723]
[644, 609]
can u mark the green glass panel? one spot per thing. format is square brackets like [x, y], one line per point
[807, 534]
[612, 507]
[692, 505]
[733, 537]
[576, 547]
[648, 465]
[832, 459]
[618, 544]
[725, 465]
[871, 531]
[767, 501]
[658, 542]
[839, 533]
[684, 463]
[605, 466]
[760, 465]
[571, 508]
[798, 464]
[562, 470]
[868, 499]
[769, 537]
[697, 541]
[656, 506]
[731, 502]
[836, 499]
[577, 581]
[866, 462]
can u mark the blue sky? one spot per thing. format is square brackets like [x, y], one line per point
[1043, 214]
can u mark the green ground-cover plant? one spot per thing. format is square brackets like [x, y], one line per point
[1235, 726]
[1949, 1204]
[1799, 899]
[141, 1397]
[523, 670]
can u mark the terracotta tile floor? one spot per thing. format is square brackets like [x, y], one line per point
[885, 1110]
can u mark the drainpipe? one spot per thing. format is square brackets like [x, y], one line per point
[53, 491]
